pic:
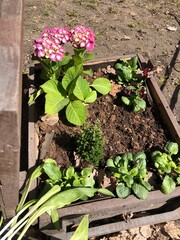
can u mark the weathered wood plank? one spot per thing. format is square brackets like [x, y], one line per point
[10, 100]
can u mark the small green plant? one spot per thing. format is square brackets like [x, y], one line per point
[126, 70]
[130, 172]
[168, 166]
[60, 189]
[81, 232]
[133, 96]
[90, 144]
[64, 85]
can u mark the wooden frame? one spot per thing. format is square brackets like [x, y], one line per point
[158, 207]
[11, 18]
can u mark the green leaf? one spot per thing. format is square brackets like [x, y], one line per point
[71, 74]
[88, 182]
[82, 230]
[102, 85]
[133, 62]
[139, 104]
[53, 213]
[76, 113]
[70, 172]
[91, 97]
[105, 191]
[139, 155]
[35, 95]
[81, 89]
[86, 172]
[134, 172]
[168, 185]
[126, 100]
[88, 72]
[140, 191]
[128, 179]
[110, 163]
[146, 185]
[55, 103]
[52, 171]
[172, 148]
[178, 180]
[122, 191]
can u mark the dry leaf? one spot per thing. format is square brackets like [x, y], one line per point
[172, 230]
[115, 88]
[171, 28]
[146, 231]
[159, 69]
[50, 119]
[126, 38]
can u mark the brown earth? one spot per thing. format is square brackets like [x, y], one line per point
[149, 27]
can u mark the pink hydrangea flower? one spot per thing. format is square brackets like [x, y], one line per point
[46, 47]
[83, 37]
[60, 35]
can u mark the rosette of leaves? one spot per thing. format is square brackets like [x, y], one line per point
[90, 144]
[167, 164]
[126, 70]
[130, 172]
[134, 96]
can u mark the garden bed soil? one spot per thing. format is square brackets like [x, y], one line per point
[123, 130]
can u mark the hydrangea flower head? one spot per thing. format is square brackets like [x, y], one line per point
[47, 47]
[83, 37]
[60, 35]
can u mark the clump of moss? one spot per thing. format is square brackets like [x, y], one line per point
[90, 144]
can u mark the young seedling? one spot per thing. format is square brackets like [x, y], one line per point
[130, 172]
[168, 166]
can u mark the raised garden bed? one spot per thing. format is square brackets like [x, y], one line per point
[109, 215]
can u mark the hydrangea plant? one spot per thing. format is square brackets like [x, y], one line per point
[64, 85]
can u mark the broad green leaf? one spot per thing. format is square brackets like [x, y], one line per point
[146, 185]
[76, 113]
[128, 179]
[178, 180]
[53, 213]
[52, 171]
[81, 232]
[110, 163]
[172, 148]
[168, 185]
[133, 62]
[127, 157]
[70, 172]
[140, 191]
[126, 100]
[81, 89]
[177, 169]
[122, 191]
[55, 103]
[105, 191]
[53, 87]
[139, 104]
[91, 97]
[86, 172]
[71, 74]
[88, 72]
[88, 56]
[35, 95]
[88, 182]
[123, 170]
[139, 155]
[102, 85]
[134, 171]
